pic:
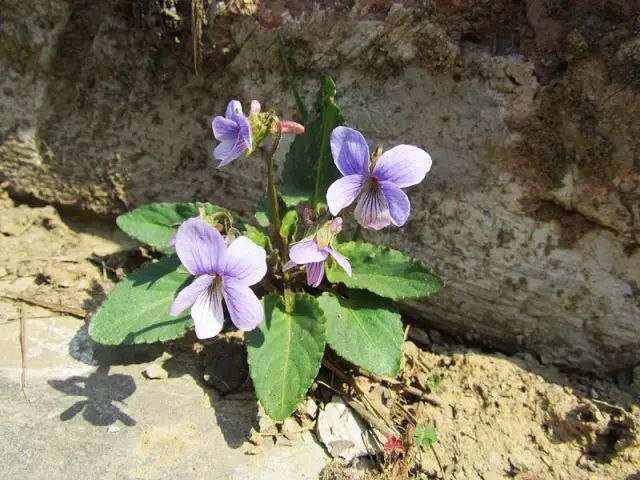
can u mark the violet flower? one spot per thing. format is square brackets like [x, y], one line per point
[220, 272]
[376, 184]
[312, 254]
[233, 131]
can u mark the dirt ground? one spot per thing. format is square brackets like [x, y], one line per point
[497, 416]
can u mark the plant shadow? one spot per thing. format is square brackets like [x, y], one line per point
[101, 392]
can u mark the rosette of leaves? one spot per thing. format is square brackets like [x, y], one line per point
[356, 316]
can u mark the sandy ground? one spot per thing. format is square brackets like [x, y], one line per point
[89, 411]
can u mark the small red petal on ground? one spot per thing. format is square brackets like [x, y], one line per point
[393, 444]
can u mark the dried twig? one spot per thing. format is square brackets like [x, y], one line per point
[54, 307]
[23, 352]
[416, 392]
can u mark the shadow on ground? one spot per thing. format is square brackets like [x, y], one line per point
[101, 392]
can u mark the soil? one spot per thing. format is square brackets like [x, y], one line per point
[498, 416]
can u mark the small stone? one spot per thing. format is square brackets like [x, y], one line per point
[255, 439]
[266, 425]
[310, 408]
[435, 336]
[156, 372]
[113, 429]
[419, 336]
[253, 450]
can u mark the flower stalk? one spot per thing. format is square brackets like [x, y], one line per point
[273, 196]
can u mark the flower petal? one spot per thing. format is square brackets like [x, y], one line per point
[255, 106]
[224, 129]
[200, 247]
[307, 252]
[233, 108]
[189, 294]
[207, 313]
[246, 262]
[372, 210]
[289, 265]
[245, 309]
[343, 192]
[398, 202]
[229, 150]
[404, 165]
[244, 129]
[315, 273]
[341, 260]
[350, 151]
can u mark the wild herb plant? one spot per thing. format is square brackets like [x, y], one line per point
[318, 289]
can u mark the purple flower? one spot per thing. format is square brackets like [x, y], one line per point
[377, 186]
[312, 256]
[233, 132]
[220, 272]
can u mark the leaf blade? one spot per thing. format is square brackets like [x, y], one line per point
[385, 271]
[137, 310]
[365, 330]
[155, 224]
[285, 352]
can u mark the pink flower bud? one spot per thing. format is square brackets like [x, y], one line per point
[255, 106]
[336, 226]
[293, 128]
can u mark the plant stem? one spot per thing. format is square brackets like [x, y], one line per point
[273, 196]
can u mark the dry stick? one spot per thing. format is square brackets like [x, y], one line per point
[74, 312]
[435, 454]
[407, 388]
[23, 352]
[373, 421]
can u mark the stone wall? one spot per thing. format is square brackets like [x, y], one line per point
[529, 110]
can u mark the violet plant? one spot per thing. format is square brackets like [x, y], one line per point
[319, 288]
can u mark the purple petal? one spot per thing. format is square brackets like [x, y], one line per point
[307, 252]
[404, 165]
[244, 129]
[200, 247]
[189, 294]
[207, 312]
[315, 273]
[343, 192]
[350, 151]
[289, 265]
[233, 108]
[372, 210]
[172, 243]
[244, 307]
[341, 260]
[246, 262]
[398, 202]
[224, 129]
[229, 150]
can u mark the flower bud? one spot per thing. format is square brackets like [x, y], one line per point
[289, 127]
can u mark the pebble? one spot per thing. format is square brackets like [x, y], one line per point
[156, 372]
[113, 429]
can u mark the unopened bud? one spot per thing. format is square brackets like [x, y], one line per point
[336, 226]
[255, 106]
[308, 217]
[287, 126]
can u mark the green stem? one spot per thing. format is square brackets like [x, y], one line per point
[273, 197]
[323, 149]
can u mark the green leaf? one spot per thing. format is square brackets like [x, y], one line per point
[156, 224]
[309, 168]
[365, 330]
[434, 382]
[284, 59]
[385, 272]
[137, 310]
[289, 225]
[425, 436]
[257, 236]
[285, 352]
[263, 212]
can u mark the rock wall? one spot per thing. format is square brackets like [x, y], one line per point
[529, 110]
